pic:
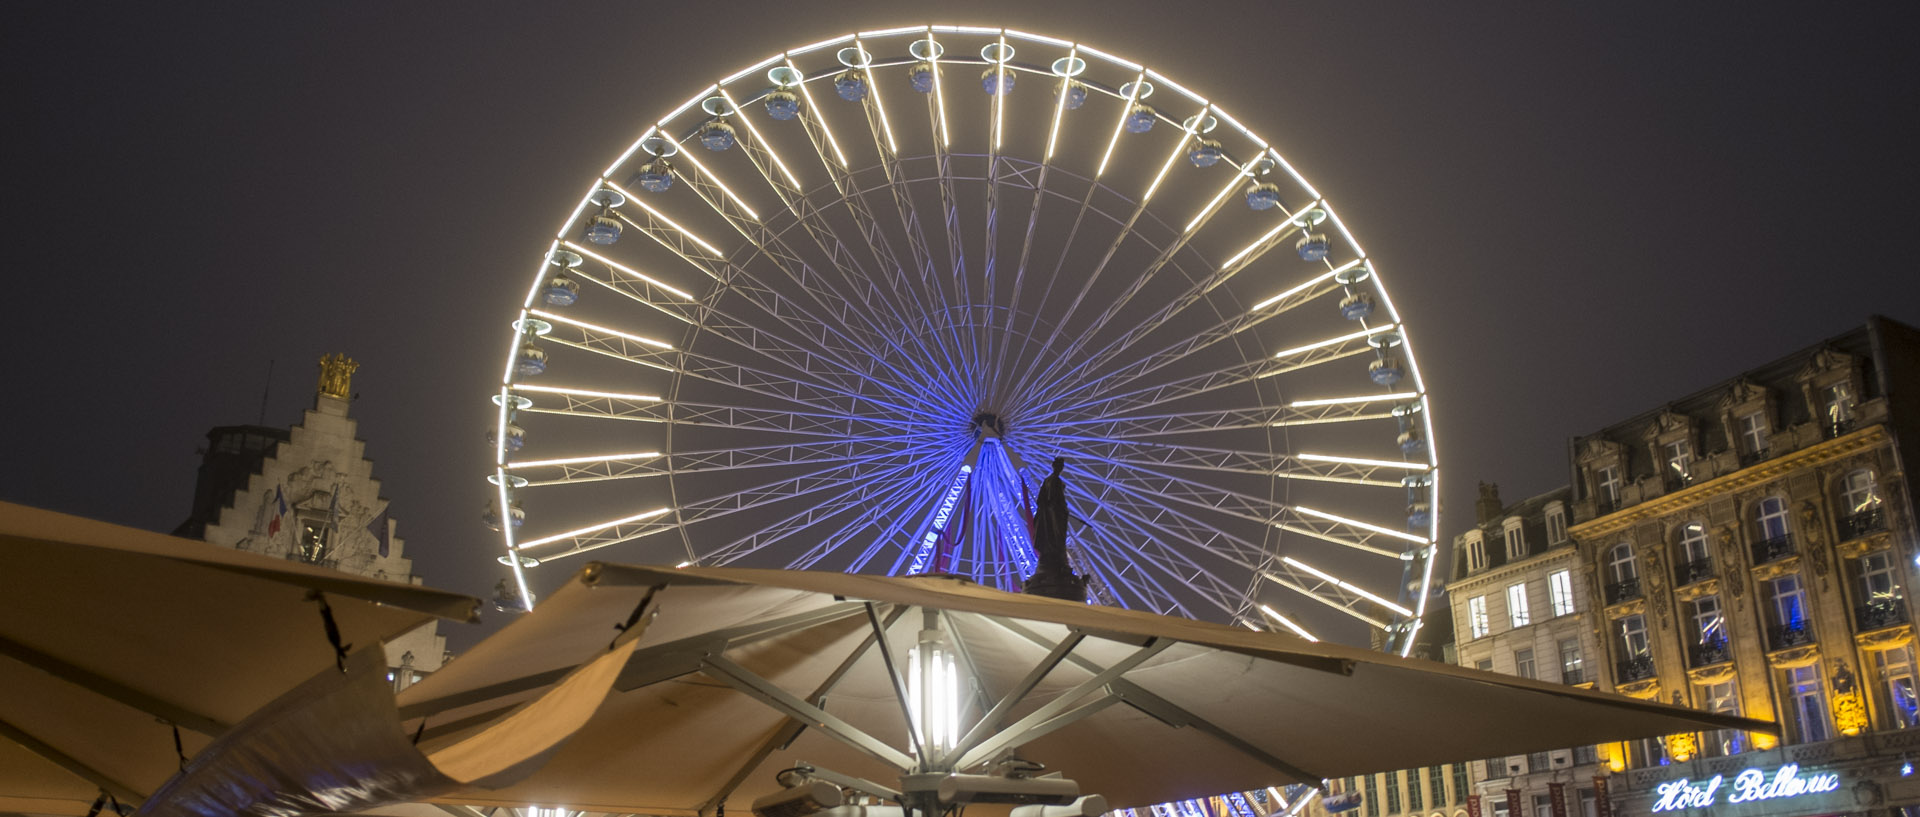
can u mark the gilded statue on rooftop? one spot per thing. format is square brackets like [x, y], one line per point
[336, 375]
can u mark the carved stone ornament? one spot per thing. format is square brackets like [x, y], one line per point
[1646, 689]
[1867, 793]
[1693, 592]
[1745, 391]
[1805, 655]
[1890, 638]
[1708, 676]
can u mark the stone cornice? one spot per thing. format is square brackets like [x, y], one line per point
[1813, 455]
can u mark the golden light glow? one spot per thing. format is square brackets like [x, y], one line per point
[1616, 756]
[1849, 713]
[1763, 741]
[1682, 747]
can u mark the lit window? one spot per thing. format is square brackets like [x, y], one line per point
[1560, 592]
[1893, 671]
[1789, 605]
[1609, 481]
[1477, 616]
[1879, 582]
[1693, 543]
[1523, 663]
[1839, 404]
[1517, 605]
[1572, 663]
[1753, 431]
[1724, 699]
[1620, 564]
[1679, 457]
[1516, 540]
[1633, 637]
[1772, 518]
[1806, 704]
[1858, 493]
[1556, 525]
[1709, 628]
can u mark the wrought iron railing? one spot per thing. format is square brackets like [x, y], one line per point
[1880, 613]
[1837, 428]
[1713, 651]
[1623, 590]
[1694, 571]
[1773, 549]
[1854, 526]
[1573, 676]
[1751, 457]
[1633, 669]
[1782, 636]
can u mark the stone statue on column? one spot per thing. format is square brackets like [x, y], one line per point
[1054, 576]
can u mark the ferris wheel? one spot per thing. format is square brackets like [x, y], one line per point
[843, 309]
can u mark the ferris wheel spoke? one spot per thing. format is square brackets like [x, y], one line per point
[1102, 384]
[636, 465]
[967, 343]
[898, 510]
[929, 291]
[873, 497]
[1152, 425]
[1151, 554]
[844, 488]
[652, 409]
[617, 345]
[1333, 591]
[1307, 466]
[1197, 293]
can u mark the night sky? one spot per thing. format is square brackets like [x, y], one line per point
[1584, 209]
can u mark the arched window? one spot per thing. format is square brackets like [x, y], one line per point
[1858, 494]
[1696, 561]
[1771, 519]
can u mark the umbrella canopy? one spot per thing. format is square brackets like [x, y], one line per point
[110, 637]
[736, 674]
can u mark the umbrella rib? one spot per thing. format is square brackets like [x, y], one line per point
[1168, 712]
[65, 761]
[1020, 729]
[791, 729]
[724, 669]
[893, 675]
[110, 689]
[992, 719]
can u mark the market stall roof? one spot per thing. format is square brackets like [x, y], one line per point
[112, 636]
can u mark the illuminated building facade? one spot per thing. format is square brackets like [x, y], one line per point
[1521, 606]
[307, 494]
[1752, 545]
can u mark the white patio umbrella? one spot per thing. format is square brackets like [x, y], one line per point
[115, 640]
[692, 688]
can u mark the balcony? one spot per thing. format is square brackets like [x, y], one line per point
[1623, 590]
[1854, 526]
[1633, 669]
[316, 561]
[1573, 676]
[1754, 457]
[1783, 636]
[1604, 504]
[1714, 651]
[1880, 613]
[1836, 428]
[1698, 570]
[1774, 549]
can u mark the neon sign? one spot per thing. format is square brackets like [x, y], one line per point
[1749, 786]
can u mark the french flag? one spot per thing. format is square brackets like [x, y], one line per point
[279, 511]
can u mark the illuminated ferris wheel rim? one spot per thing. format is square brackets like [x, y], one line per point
[670, 137]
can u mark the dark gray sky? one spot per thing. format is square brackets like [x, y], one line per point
[1584, 209]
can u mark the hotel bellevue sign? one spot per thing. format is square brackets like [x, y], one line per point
[1750, 786]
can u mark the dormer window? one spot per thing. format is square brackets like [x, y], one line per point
[1678, 456]
[1476, 552]
[1516, 537]
[1753, 432]
[1556, 524]
[1837, 403]
[1607, 481]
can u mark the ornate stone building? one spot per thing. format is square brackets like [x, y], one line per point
[308, 494]
[1522, 605]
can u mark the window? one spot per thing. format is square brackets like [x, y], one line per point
[1372, 797]
[1572, 663]
[1484, 664]
[1500, 804]
[1724, 699]
[1633, 637]
[1679, 459]
[1414, 801]
[1556, 524]
[1894, 686]
[1806, 704]
[1753, 431]
[1542, 805]
[1620, 564]
[1437, 785]
[1693, 543]
[1858, 494]
[1589, 803]
[1393, 792]
[1838, 408]
[1560, 592]
[1789, 600]
[1772, 518]
[1879, 582]
[1708, 626]
[314, 538]
[1517, 605]
[1608, 479]
[1523, 663]
[1516, 537]
[1477, 617]
[1459, 782]
[1583, 755]
[1476, 552]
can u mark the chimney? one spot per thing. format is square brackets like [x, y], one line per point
[1487, 507]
